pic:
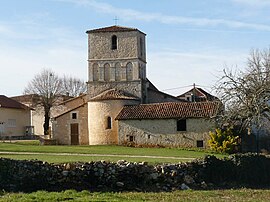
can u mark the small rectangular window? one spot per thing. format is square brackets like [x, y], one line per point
[199, 143]
[182, 125]
[131, 138]
[109, 123]
[141, 47]
[11, 123]
[74, 115]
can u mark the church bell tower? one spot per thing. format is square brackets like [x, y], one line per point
[116, 60]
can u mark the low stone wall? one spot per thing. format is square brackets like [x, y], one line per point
[208, 173]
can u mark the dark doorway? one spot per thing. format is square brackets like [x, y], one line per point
[74, 133]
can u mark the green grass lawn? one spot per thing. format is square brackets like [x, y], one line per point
[70, 195]
[63, 159]
[33, 146]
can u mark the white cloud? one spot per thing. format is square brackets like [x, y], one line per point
[167, 19]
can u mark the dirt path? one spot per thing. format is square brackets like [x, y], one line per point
[102, 155]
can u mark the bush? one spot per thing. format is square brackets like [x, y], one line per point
[223, 140]
[252, 169]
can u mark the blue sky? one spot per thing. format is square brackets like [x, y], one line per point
[187, 41]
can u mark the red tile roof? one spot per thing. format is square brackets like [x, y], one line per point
[200, 94]
[170, 110]
[114, 28]
[114, 94]
[6, 102]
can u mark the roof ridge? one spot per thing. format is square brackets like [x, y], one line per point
[73, 98]
[179, 103]
[70, 109]
[112, 94]
[113, 28]
[7, 102]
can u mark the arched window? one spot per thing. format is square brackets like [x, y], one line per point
[117, 71]
[123, 73]
[109, 123]
[95, 72]
[114, 42]
[129, 71]
[101, 73]
[106, 72]
[112, 74]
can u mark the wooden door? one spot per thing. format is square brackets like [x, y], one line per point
[74, 133]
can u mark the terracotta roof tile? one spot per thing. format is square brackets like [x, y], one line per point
[199, 93]
[114, 94]
[170, 110]
[6, 102]
[114, 28]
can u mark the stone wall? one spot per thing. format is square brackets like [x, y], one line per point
[98, 112]
[132, 87]
[248, 170]
[137, 67]
[105, 65]
[99, 45]
[163, 132]
[61, 129]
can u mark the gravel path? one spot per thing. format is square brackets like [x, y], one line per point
[104, 155]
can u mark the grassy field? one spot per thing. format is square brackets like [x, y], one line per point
[159, 155]
[71, 195]
[65, 159]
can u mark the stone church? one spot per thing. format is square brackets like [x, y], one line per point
[122, 106]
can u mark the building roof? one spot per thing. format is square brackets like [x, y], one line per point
[32, 100]
[199, 95]
[114, 94]
[6, 102]
[81, 96]
[169, 110]
[69, 110]
[28, 99]
[114, 28]
[151, 85]
[167, 95]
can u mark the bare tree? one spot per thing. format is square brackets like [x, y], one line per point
[73, 86]
[48, 86]
[246, 93]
